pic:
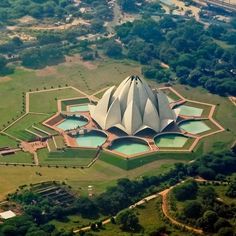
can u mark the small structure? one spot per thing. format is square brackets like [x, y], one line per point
[7, 215]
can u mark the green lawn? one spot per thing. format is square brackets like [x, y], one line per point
[132, 163]
[59, 141]
[74, 74]
[6, 141]
[19, 157]
[18, 129]
[46, 101]
[69, 157]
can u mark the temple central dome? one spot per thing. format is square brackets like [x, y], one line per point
[133, 107]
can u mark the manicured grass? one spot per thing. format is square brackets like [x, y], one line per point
[59, 141]
[46, 101]
[69, 157]
[101, 175]
[131, 163]
[45, 128]
[51, 145]
[18, 129]
[171, 94]
[6, 141]
[74, 74]
[18, 157]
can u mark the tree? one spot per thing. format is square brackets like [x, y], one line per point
[206, 172]
[226, 231]
[186, 190]
[208, 220]
[9, 230]
[208, 195]
[113, 49]
[167, 22]
[86, 207]
[231, 190]
[3, 63]
[128, 221]
[221, 223]
[128, 5]
[192, 209]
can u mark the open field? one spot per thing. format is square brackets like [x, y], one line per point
[100, 175]
[70, 157]
[18, 157]
[5, 141]
[46, 101]
[108, 72]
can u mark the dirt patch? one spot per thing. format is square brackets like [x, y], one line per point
[49, 70]
[77, 59]
[75, 22]
[26, 19]
[12, 28]
[5, 79]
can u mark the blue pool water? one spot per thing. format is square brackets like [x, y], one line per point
[91, 139]
[71, 123]
[79, 108]
[129, 146]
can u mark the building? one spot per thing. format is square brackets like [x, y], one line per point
[133, 107]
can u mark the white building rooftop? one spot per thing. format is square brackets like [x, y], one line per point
[7, 215]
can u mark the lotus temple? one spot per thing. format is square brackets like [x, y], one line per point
[134, 119]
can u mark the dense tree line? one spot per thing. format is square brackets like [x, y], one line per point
[53, 9]
[187, 47]
[203, 209]
[37, 9]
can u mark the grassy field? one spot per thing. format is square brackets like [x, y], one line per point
[105, 73]
[6, 141]
[132, 163]
[100, 175]
[18, 157]
[46, 101]
[18, 129]
[71, 157]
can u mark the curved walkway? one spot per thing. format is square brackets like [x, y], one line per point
[164, 207]
[165, 211]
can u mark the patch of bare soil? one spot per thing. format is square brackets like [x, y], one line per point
[5, 79]
[49, 70]
[77, 59]
[26, 19]
[75, 22]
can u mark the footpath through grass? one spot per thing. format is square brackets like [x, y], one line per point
[18, 129]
